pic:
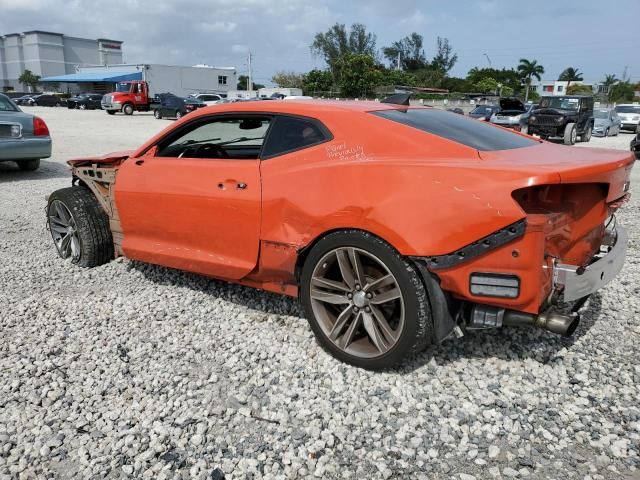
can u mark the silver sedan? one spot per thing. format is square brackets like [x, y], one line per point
[606, 122]
[24, 138]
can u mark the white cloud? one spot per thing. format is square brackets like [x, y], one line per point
[219, 26]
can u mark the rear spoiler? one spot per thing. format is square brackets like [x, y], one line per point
[398, 99]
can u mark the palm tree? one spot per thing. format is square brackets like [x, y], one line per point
[528, 70]
[569, 75]
[609, 81]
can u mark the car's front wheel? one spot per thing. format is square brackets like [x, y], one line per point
[127, 109]
[157, 114]
[79, 227]
[29, 165]
[110, 112]
[570, 134]
[366, 304]
[178, 115]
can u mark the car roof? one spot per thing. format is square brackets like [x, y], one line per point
[300, 107]
[309, 108]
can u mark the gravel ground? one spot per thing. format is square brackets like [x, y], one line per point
[130, 370]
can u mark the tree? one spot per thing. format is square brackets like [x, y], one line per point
[359, 75]
[288, 79]
[410, 51]
[243, 80]
[445, 59]
[578, 89]
[529, 69]
[507, 77]
[569, 75]
[317, 81]
[621, 92]
[429, 77]
[487, 85]
[609, 81]
[336, 43]
[28, 79]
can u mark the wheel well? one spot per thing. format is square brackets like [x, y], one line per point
[303, 252]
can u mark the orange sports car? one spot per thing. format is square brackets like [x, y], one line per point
[395, 226]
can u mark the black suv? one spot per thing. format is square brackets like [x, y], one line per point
[567, 117]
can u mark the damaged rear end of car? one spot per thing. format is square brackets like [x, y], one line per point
[567, 246]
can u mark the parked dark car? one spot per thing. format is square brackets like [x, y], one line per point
[24, 99]
[44, 100]
[176, 107]
[635, 146]
[85, 101]
[457, 110]
[483, 112]
[565, 117]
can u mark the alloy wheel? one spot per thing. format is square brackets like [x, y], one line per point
[357, 302]
[64, 231]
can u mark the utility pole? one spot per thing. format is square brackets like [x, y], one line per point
[249, 82]
[398, 65]
[488, 59]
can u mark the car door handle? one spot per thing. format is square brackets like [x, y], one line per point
[239, 185]
[139, 162]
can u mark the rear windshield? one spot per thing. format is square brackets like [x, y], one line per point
[467, 131]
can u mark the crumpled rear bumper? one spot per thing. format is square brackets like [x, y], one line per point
[577, 282]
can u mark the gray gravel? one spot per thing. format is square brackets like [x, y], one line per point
[136, 371]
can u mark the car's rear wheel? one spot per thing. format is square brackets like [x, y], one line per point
[570, 134]
[29, 165]
[83, 106]
[79, 227]
[127, 109]
[365, 303]
[586, 136]
[157, 114]
[178, 114]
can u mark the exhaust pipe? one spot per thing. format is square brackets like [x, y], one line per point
[554, 322]
[485, 316]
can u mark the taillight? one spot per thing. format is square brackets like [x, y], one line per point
[560, 198]
[40, 128]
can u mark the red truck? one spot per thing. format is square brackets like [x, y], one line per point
[128, 97]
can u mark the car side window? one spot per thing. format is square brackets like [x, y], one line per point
[226, 137]
[293, 133]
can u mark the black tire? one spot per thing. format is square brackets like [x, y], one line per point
[178, 114]
[29, 165]
[417, 328]
[92, 225]
[157, 114]
[111, 112]
[127, 109]
[570, 134]
[606, 132]
[586, 136]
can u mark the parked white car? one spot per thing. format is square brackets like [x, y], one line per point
[209, 98]
[629, 116]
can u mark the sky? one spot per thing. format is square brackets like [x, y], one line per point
[595, 36]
